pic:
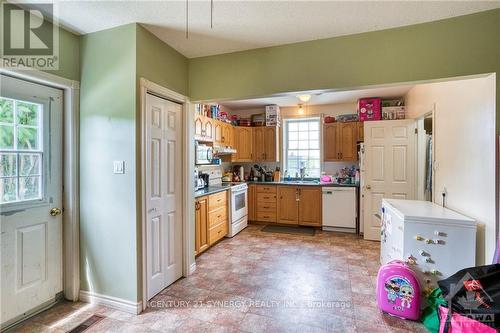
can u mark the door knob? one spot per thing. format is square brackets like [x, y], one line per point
[55, 211]
[368, 187]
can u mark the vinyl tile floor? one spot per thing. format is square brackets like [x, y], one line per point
[256, 282]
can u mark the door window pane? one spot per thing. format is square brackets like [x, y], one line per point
[21, 151]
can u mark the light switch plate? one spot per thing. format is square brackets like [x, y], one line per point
[119, 167]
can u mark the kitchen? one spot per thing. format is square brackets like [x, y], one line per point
[274, 172]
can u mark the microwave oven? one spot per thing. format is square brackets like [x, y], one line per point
[204, 154]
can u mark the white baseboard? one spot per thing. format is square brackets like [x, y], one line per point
[112, 302]
[192, 268]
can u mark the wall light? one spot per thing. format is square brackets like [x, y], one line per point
[301, 109]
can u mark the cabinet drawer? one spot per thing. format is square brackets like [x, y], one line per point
[217, 216]
[217, 200]
[266, 197]
[266, 207]
[266, 216]
[266, 189]
[217, 233]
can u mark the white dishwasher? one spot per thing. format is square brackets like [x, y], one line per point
[339, 209]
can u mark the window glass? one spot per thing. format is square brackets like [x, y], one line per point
[21, 151]
[302, 145]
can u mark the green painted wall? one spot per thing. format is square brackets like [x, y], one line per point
[160, 63]
[69, 56]
[107, 133]
[453, 47]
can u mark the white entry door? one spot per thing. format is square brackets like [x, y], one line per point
[30, 197]
[163, 193]
[389, 168]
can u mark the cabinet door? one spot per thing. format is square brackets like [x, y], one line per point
[217, 127]
[226, 136]
[347, 141]
[271, 144]
[258, 144]
[360, 131]
[244, 144]
[199, 127]
[287, 205]
[330, 138]
[251, 203]
[201, 225]
[209, 129]
[310, 206]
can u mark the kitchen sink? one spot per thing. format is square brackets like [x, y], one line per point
[301, 181]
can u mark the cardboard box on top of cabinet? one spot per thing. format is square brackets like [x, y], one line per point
[369, 109]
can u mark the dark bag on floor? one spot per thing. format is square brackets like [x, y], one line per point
[474, 293]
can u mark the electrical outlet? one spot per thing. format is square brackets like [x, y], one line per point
[119, 167]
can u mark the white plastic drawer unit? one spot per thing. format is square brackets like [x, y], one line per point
[339, 208]
[437, 241]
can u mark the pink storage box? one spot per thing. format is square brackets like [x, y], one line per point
[461, 324]
[398, 290]
[369, 109]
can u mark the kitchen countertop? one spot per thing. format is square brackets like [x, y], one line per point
[305, 183]
[211, 189]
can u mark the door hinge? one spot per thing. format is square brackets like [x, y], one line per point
[416, 130]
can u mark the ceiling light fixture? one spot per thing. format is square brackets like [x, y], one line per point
[304, 98]
[301, 109]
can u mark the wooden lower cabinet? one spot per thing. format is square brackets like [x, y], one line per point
[211, 220]
[310, 206]
[288, 212]
[201, 225]
[265, 199]
[300, 205]
[251, 202]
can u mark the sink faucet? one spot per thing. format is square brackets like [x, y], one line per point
[302, 172]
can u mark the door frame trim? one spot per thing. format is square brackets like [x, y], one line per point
[71, 173]
[146, 87]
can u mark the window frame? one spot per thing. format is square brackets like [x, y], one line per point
[286, 123]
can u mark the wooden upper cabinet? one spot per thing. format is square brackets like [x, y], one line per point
[201, 225]
[271, 144]
[199, 127]
[227, 135]
[209, 128]
[310, 208]
[287, 205]
[258, 144]
[339, 141]
[330, 142]
[203, 128]
[361, 131]
[217, 134]
[243, 138]
[347, 141]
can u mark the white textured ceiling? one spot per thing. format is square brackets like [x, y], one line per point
[319, 98]
[241, 25]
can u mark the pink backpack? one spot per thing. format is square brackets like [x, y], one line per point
[398, 290]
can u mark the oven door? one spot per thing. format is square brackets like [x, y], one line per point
[239, 204]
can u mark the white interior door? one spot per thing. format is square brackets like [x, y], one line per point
[163, 193]
[30, 191]
[389, 168]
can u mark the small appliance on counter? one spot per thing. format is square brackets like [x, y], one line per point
[205, 177]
